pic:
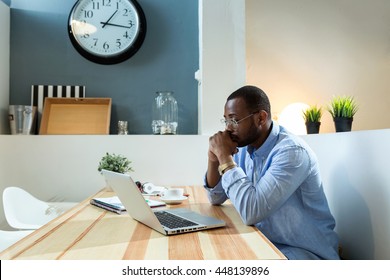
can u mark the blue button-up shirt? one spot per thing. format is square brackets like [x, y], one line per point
[278, 188]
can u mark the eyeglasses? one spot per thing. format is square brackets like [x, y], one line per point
[234, 123]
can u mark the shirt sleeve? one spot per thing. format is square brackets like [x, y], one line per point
[216, 195]
[286, 171]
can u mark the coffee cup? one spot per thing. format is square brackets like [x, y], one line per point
[173, 193]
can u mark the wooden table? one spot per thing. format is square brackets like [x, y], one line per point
[88, 232]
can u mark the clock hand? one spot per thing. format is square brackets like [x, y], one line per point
[113, 24]
[105, 23]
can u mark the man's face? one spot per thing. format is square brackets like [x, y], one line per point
[241, 122]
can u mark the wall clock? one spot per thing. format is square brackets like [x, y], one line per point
[107, 31]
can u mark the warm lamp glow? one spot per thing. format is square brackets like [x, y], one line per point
[291, 118]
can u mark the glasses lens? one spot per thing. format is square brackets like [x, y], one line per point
[231, 122]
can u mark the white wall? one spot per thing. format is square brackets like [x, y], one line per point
[222, 58]
[308, 51]
[65, 167]
[356, 177]
[353, 166]
[4, 66]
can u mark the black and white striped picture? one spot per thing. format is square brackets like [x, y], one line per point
[40, 92]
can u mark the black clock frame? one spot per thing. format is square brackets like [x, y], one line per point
[112, 59]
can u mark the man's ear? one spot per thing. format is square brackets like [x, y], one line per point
[263, 117]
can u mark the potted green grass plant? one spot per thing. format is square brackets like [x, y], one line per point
[342, 109]
[312, 117]
[115, 163]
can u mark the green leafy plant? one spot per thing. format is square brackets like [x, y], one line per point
[343, 106]
[312, 114]
[115, 163]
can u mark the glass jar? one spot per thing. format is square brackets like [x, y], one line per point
[165, 113]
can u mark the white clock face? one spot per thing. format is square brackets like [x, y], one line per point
[105, 28]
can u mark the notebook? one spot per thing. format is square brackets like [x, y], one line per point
[113, 203]
[164, 221]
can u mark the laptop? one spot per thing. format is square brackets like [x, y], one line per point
[165, 221]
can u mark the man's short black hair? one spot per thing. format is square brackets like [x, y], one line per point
[254, 97]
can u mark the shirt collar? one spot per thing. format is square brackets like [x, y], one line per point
[268, 143]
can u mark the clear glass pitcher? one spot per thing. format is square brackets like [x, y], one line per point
[165, 113]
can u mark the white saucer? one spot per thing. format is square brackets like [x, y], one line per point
[173, 200]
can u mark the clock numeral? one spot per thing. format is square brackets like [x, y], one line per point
[131, 23]
[126, 12]
[106, 3]
[118, 43]
[96, 41]
[126, 35]
[96, 5]
[86, 34]
[106, 46]
[88, 13]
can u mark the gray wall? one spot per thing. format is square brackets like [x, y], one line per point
[41, 53]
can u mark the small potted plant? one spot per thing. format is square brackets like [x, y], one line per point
[115, 163]
[312, 117]
[342, 109]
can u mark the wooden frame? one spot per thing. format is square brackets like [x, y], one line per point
[40, 92]
[76, 116]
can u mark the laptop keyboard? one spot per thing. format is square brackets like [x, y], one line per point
[172, 221]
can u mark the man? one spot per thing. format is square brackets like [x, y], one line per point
[271, 177]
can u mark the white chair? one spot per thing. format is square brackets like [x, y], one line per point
[9, 237]
[24, 211]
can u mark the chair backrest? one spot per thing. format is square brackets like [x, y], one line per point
[24, 211]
